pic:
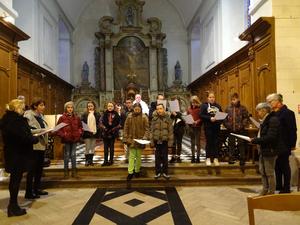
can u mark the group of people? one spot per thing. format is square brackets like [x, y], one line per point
[25, 142]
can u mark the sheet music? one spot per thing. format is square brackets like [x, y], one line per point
[59, 126]
[174, 106]
[141, 141]
[256, 123]
[221, 115]
[43, 131]
[189, 119]
[85, 127]
[242, 137]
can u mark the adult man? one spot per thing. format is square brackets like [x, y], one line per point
[288, 131]
[236, 122]
[138, 99]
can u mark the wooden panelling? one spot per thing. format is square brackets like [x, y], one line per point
[250, 71]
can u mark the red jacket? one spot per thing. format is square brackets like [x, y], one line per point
[72, 132]
[195, 112]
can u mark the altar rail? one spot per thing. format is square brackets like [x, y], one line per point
[251, 71]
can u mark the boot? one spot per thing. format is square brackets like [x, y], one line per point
[66, 173]
[74, 173]
[91, 160]
[87, 160]
[15, 210]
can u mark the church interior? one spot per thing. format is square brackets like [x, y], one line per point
[110, 51]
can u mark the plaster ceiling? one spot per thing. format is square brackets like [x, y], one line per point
[185, 8]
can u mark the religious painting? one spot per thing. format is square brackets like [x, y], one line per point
[131, 63]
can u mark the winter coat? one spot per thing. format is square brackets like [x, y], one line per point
[237, 118]
[72, 132]
[110, 130]
[207, 111]
[161, 129]
[270, 139]
[195, 112]
[18, 142]
[288, 127]
[178, 123]
[35, 127]
[136, 127]
[87, 134]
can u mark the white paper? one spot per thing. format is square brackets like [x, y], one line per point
[174, 106]
[221, 115]
[164, 102]
[43, 131]
[242, 137]
[189, 119]
[141, 141]
[256, 123]
[59, 126]
[85, 127]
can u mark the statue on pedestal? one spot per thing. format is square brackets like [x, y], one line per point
[178, 72]
[85, 73]
[129, 17]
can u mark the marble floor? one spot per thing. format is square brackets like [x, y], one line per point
[222, 205]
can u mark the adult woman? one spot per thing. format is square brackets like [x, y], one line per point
[36, 122]
[18, 146]
[270, 142]
[92, 119]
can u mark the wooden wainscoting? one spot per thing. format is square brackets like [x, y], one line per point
[251, 71]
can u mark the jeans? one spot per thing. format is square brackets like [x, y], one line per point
[195, 140]
[109, 146]
[267, 171]
[90, 144]
[70, 153]
[161, 158]
[35, 172]
[212, 135]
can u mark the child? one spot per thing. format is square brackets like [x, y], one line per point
[211, 127]
[136, 127]
[70, 136]
[110, 125]
[161, 139]
[92, 119]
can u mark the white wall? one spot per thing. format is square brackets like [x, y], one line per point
[85, 41]
[39, 19]
[221, 22]
[260, 8]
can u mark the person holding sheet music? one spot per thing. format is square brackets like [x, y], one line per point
[136, 127]
[37, 123]
[70, 136]
[92, 119]
[18, 146]
[236, 122]
[110, 125]
[288, 128]
[195, 127]
[208, 113]
[269, 140]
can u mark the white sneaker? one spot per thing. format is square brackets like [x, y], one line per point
[216, 162]
[208, 163]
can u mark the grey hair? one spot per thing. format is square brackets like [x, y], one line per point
[274, 96]
[263, 105]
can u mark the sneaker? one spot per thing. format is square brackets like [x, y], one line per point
[41, 192]
[130, 176]
[166, 176]
[31, 196]
[157, 176]
[137, 175]
[208, 163]
[105, 163]
[216, 162]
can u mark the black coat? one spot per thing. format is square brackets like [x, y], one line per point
[18, 141]
[288, 127]
[110, 130]
[87, 134]
[206, 114]
[178, 124]
[270, 140]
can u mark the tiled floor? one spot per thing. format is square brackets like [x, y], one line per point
[199, 205]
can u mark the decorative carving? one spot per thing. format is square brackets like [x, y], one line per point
[105, 24]
[262, 68]
[15, 56]
[178, 72]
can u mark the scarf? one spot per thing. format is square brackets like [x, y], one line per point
[91, 122]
